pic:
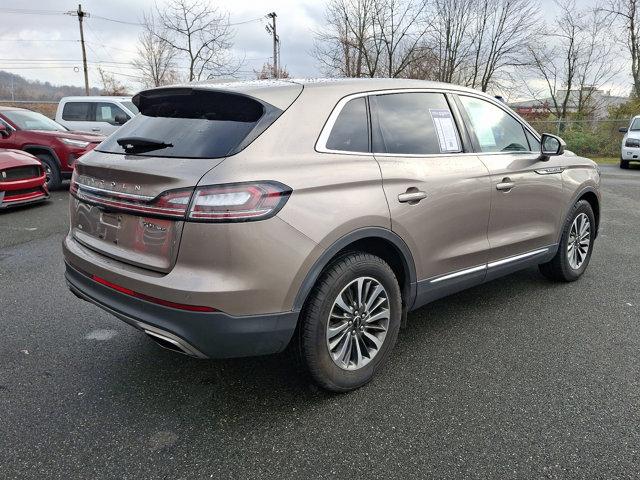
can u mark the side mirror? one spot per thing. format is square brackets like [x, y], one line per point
[4, 131]
[551, 146]
[121, 119]
[623, 129]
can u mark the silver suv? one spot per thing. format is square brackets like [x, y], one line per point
[234, 220]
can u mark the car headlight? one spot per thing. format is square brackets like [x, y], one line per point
[74, 143]
[632, 142]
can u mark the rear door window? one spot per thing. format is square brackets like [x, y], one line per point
[350, 132]
[190, 123]
[77, 112]
[417, 123]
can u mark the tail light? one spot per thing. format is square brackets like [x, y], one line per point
[240, 202]
[237, 202]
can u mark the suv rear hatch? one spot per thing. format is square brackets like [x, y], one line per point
[132, 193]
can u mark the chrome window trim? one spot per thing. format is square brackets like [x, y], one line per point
[321, 143]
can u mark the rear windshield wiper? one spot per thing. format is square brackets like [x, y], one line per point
[141, 144]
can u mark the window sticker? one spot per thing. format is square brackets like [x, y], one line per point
[446, 130]
[105, 112]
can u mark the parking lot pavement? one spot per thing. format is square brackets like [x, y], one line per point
[518, 378]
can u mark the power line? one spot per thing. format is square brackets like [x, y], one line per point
[55, 60]
[26, 11]
[246, 21]
[118, 21]
[37, 40]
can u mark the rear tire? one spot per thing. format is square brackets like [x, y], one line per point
[574, 253]
[341, 349]
[54, 179]
[624, 164]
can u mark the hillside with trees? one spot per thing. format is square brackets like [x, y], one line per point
[15, 87]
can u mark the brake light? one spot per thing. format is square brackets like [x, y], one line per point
[234, 202]
[238, 202]
[159, 301]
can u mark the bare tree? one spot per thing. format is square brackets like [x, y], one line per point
[575, 62]
[266, 72]
[200, 33]
[472, 42]
[627, 12]
[156, 60]
[372, 38]
[453, 23]
[403, 26]
[110, 84]
[347, 45]
[503, 31]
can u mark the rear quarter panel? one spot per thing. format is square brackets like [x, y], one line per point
[333, 194]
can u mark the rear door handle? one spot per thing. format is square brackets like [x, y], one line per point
[505, 185]
[412, 196]
[96, 129]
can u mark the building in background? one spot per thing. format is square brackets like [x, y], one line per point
[597, 104]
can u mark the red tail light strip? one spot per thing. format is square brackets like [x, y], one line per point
[148, 298]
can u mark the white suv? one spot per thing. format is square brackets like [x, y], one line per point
[630, 151]
[95, 114]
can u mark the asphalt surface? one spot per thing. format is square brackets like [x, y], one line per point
[518, 378]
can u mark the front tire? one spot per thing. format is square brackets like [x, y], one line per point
[54, 179]
[624, 164]
[350, 322]
[576, 245]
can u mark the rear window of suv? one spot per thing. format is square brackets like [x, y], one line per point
[190, 123]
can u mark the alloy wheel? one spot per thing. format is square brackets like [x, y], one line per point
[579, 241]
[358, 323]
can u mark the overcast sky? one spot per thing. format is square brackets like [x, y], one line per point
[30, 42]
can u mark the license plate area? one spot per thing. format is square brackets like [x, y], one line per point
[142, 241]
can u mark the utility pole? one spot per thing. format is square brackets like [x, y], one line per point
[272, 30]
[81, 14]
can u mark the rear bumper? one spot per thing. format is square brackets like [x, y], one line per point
[199, 334]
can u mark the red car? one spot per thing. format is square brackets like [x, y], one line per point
[55, 146]
[22, 179]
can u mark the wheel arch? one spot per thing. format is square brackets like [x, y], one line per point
[34, 149]
[591, 195]
[377, 241]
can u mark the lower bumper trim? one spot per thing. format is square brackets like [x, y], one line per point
[198, 334]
